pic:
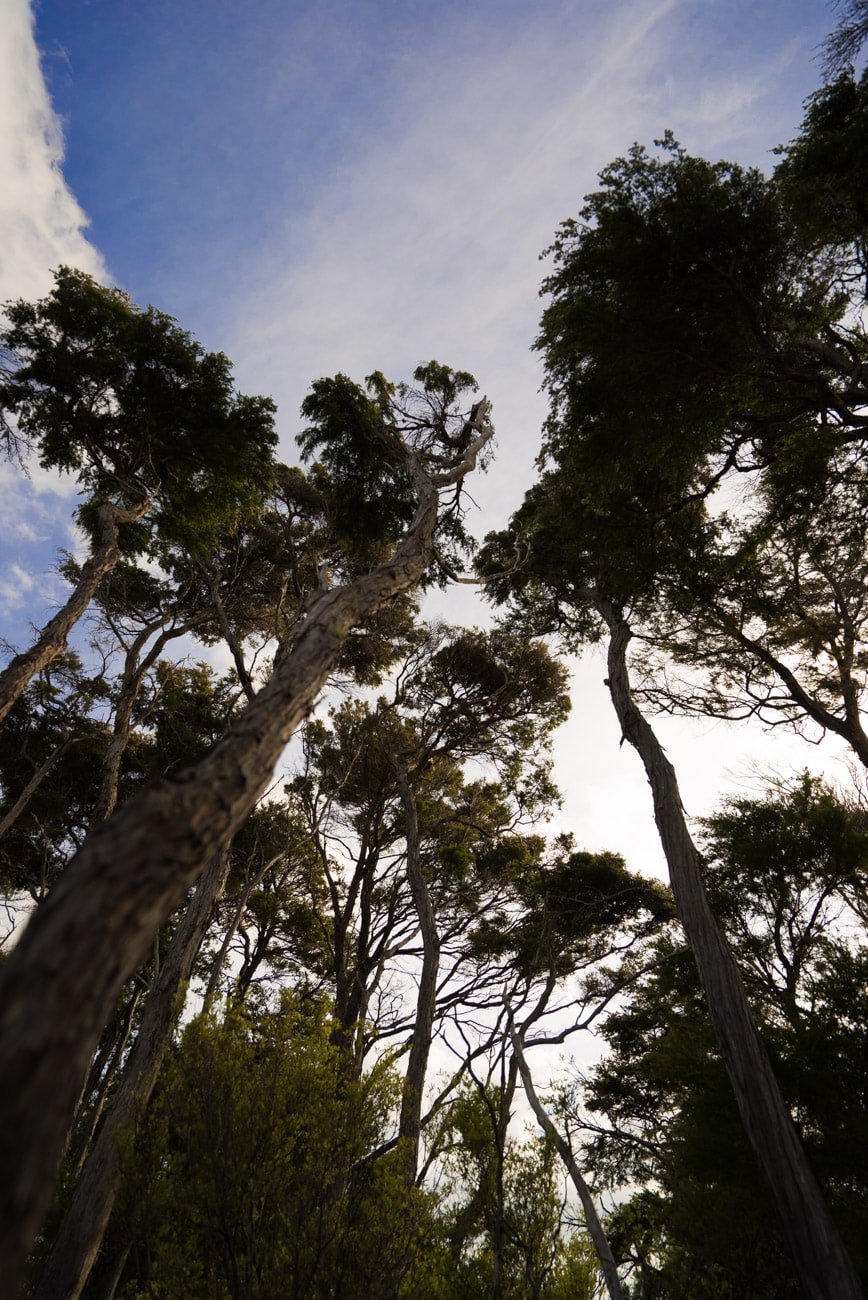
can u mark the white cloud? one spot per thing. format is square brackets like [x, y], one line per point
[41, 223]
[427, 243]
[14, 585]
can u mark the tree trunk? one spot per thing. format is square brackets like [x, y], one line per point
[52, 640]
[33, 785]
[592, 1219]
[134, 673]
[58, 986]
[217, 965]
[410, 1123]
[822, 1265]
[84, 1225]
[232, 642]
[88, 1124]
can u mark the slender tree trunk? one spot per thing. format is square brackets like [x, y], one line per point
[53, 637]
[219, 960]
[821, 1261]
[33, 785]
[592, 1219]
[84, 1225]
[104, 1083]
[134, 673]
[58, 986]
[410, 1123]
[229, 636]
[109, 1283]
[107, 794]
[217, 965]
[500, 1126]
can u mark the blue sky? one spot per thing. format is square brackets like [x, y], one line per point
[350, 185]
[201, 135]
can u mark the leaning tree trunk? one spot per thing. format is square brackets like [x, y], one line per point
[33, 785]
[821, 1261]
[410, 1122]
[58, 986]
[53, 637]
[131, 683]
[592, 1219]
[84, 1224]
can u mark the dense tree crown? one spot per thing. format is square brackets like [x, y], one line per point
[278, 1015]
[701, 501]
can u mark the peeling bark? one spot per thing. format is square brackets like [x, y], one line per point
[821, 1261]
[59, 985]
[53, 637]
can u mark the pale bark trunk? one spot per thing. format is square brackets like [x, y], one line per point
[821, 1261]
[58, 986]
[109, 1284]
[410, 1123]
[53, 637]
[84, 1225]
[592, 1219]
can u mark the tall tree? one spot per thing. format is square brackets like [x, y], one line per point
[151, 425]
[99, 920]
[686, 344]
[781, 872]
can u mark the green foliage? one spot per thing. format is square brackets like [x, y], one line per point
[647, 333]
[782, 873]
[131, 404]
[691, 339]
[53, 729]
[189, 711]
[571, 907]
[822, 173]
[514, 1210]
[252, 1178]
[359, 436]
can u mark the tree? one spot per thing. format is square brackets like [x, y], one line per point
[402, 832]
[780, 872]
[250, 1176]
[502, 1220]
[690, 340]
[843, 44]
[150, 424]
[99, 920]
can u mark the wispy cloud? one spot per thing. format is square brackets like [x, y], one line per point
[41, 223]
[427, 241]
[14, 585]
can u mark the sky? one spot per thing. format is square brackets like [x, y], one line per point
[316, 186]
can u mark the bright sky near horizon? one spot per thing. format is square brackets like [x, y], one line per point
[324, 185]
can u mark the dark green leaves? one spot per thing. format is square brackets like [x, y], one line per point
[131, 404]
